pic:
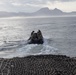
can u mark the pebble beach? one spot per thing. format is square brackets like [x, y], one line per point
[38, 65]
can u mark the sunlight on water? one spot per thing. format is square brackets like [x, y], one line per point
[60, 33]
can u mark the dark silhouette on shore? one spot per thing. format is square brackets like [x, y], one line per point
[36, 38]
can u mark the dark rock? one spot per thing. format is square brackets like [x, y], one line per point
[38, 65]
[36, 38]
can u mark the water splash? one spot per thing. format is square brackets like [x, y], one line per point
[20, 49]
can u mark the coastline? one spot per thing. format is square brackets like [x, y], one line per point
[38, 65]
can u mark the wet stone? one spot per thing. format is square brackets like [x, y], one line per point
[39, 65]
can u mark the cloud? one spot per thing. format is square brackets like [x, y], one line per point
[34, 5]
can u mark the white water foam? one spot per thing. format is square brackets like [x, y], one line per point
[21, 49]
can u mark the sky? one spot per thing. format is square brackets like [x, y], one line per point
[34, 5]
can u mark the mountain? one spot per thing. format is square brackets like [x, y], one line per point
[47, 12]
[12, 14]
[55, 12]
[42, 12]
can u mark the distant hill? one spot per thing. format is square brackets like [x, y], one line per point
[42, 12]
[47, 12]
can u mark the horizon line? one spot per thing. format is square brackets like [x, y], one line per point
[36, 11]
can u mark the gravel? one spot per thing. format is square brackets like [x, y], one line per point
[38, 65]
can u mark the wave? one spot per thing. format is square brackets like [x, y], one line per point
[20, 48]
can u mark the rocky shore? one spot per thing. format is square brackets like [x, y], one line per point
[38, 65]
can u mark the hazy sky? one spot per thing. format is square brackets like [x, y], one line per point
[34, 5]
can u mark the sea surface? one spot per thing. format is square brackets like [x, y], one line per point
[59, 36]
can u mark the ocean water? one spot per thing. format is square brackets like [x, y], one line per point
[59, 36]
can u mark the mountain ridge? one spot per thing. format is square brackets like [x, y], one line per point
[41, 12]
